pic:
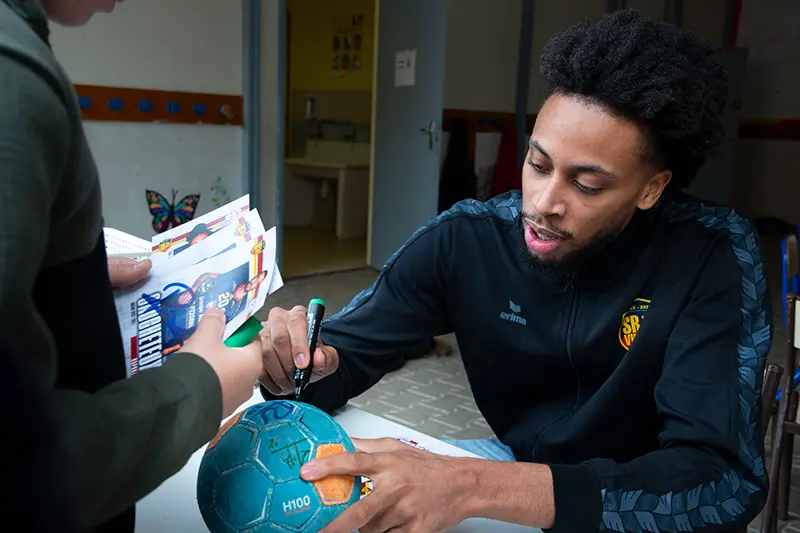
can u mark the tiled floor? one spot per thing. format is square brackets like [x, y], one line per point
[432, 395]
[309, 251]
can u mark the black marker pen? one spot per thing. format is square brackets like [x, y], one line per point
[316, 310]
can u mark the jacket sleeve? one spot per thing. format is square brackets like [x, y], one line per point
[405, 307]
[131, 436]
[708, 474]
[123, 440]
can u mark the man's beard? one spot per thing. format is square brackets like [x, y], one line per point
[565, 269]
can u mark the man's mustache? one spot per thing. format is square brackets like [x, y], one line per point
[539, 220]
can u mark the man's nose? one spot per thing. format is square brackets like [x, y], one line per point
[550, 201]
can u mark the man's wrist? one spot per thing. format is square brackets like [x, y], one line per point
[518, 493]
[464, 479]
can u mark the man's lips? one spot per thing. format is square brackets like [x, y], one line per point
[544, 232]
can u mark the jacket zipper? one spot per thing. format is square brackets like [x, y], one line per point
[570, 325]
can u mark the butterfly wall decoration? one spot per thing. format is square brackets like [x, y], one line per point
[168, 215]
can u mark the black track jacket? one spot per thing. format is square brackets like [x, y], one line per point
[639, 382]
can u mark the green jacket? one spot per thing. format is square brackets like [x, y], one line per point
[126, 436]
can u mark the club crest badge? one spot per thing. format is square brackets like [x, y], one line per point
[366, 487]
[632, 322]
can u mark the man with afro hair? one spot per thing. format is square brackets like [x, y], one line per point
[613, 328]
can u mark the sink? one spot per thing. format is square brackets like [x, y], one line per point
[335, 155]
[338, 176]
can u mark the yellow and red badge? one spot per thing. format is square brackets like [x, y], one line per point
[632, 322]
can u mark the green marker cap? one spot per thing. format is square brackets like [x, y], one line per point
[316, 301]
[246, 333]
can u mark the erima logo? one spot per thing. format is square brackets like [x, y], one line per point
[513, 316]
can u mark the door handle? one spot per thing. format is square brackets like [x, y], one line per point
[431, 131]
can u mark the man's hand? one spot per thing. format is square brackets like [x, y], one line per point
[413, 490]
[124, 272]
[284, 339]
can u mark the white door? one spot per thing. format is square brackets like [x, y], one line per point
[408, 116]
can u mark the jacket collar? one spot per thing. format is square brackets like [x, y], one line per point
[33, 13]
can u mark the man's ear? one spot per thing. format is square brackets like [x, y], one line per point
[652, 191]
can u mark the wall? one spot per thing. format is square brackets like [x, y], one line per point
[481, 75]
[768, 183]
[483, 50]
[483, 44]
[313, 26]
[175, 45]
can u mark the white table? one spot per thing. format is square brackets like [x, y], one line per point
[172, 507]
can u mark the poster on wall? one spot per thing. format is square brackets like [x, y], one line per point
[405, 65]
[347, 40]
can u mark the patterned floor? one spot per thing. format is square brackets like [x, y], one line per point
[432, 394]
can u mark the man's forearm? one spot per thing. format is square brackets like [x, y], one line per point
[518, 493]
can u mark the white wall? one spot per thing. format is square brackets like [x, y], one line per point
[482, 52]
[174, 45]
[179, 45]
[482, 47]
[483, 44]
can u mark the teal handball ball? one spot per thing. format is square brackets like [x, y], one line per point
[249, 478]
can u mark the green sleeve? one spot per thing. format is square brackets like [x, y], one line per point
[132, 435]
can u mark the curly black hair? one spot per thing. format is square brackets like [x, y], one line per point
[659, 76]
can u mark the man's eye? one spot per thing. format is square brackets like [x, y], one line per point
[537, 167]
[587, 190]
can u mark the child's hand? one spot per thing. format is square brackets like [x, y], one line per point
[123, 272]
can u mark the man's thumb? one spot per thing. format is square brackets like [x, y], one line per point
[211, 325]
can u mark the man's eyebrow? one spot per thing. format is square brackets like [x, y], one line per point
[538, 147]
[578, 169]
[593, 169]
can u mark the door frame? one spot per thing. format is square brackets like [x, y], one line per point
[251, 99]
[254, 168]
[373, 114]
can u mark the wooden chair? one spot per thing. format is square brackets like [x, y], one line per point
[785, 426]
[769, 387]
[769, 408]
[790, 270]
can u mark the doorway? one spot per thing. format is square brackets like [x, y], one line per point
[364, 104]
[329, 84]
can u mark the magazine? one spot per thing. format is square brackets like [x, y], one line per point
[232, 268]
